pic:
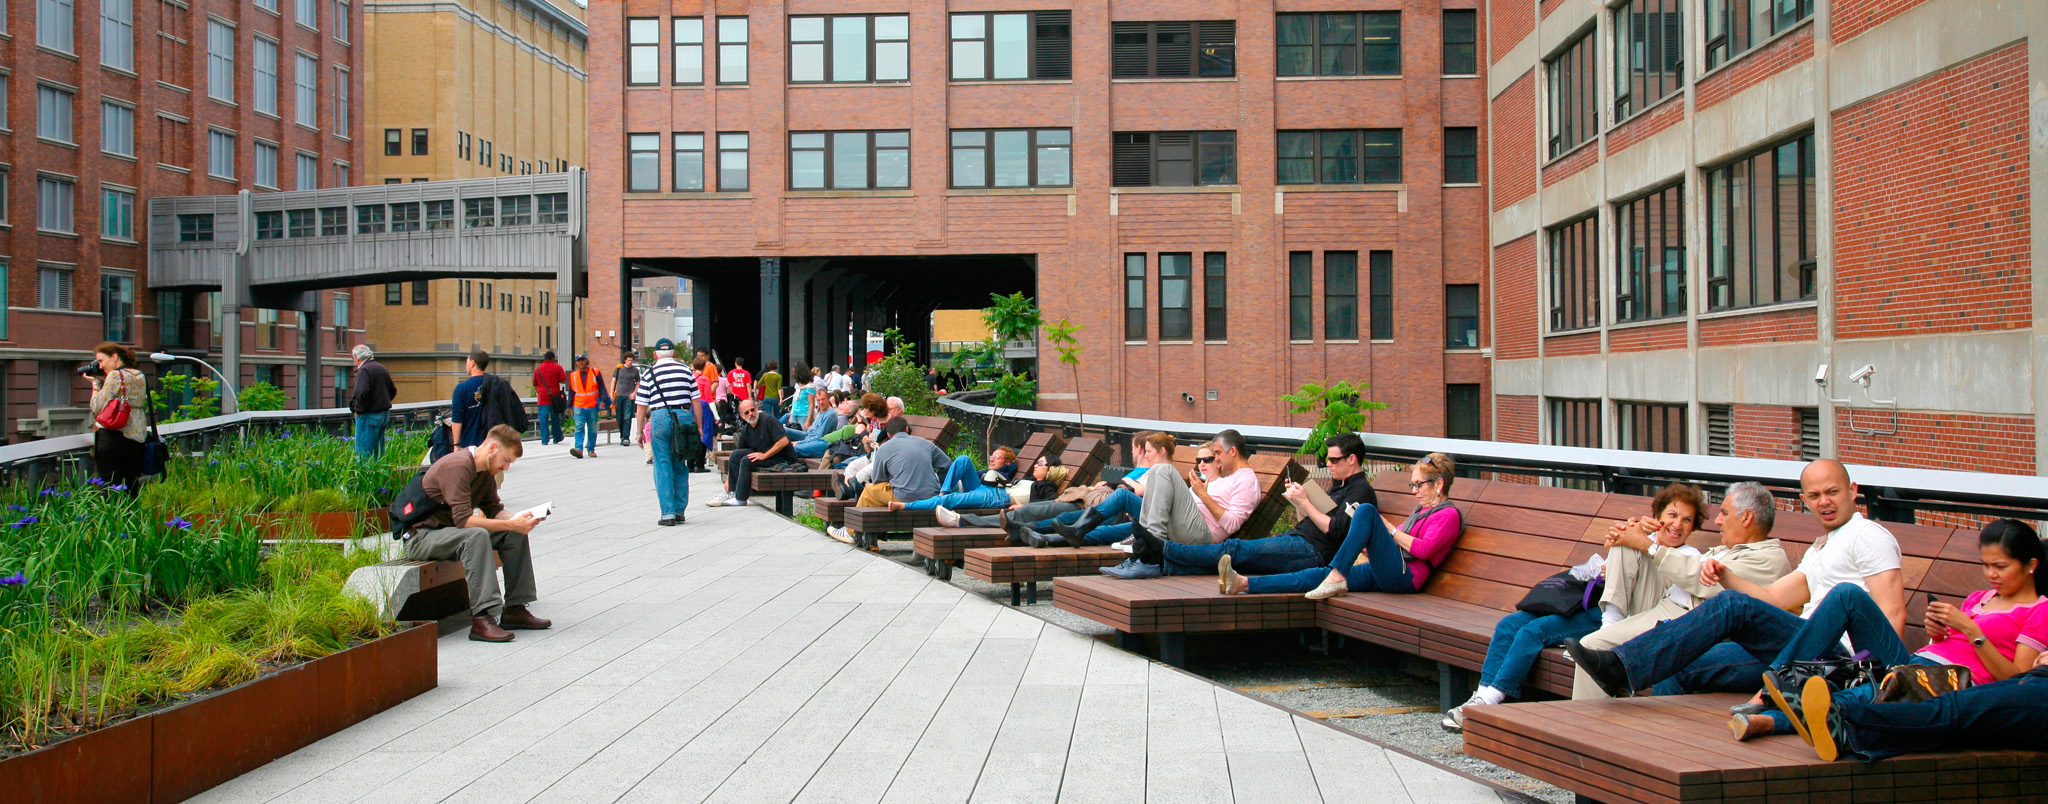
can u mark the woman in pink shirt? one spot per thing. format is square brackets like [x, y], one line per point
[1997, 633]
[1397, 561]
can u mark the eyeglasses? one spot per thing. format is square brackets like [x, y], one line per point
[1416, 484]
[1210, 459]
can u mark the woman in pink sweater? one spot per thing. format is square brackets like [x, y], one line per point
[1397, 560]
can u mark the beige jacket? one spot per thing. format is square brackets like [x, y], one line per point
[1760, 562]
[130, 385]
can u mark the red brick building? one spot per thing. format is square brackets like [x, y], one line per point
[1695, 207]
[1234, 198]
[109, 103]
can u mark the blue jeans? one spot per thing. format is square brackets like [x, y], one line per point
[1723, 645]
[971, 494]
[586, 428]
[550, 424]
[768, 406]
[1849, 610]
[2010, 714]
[370, 434]
[1101, 535]
[810, 447]
[1520, 637]
[671, 473]
[707, 425]
[1385, 568]
[1273, 554]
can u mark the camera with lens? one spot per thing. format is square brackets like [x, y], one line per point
[91, 368]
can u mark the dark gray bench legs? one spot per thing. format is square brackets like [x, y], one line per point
[1453, 686]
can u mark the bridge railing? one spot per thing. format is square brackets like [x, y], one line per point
[1891, 493]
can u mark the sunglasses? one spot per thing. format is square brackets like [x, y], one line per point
[1210, 459]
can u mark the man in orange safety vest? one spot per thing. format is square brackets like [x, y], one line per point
[587, 396]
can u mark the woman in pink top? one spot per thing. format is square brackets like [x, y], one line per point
[1396, 560]
[1997, 633]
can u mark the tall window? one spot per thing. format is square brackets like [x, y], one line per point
[1206, 49]
[341, 8]
[53, 113]
[53, 288]
[1735, 26]
[419, 142]
[117, 213]
[266, 76]
[266, 165]
[688, 167]
[5, 177]
[117, 306]
[220, 61]
[643, 51]
[732, 162]
[1370, 156]
[1176, 297]
[1574, 422]
[1461, 41]
[849, 160]
[170, 318]
[306, 91]
[1574, 112]
[117, 128]
[1649, 53]
[1013, 158]
[1013, 46]
[1134, 297]
[1173, 158]
[643, 163]
[1649, 239]
[1461, 316]
[1382, 288]
[117, 34]
[419, 292]
[1649, 427]
[1761, 236]
[1575, 275]
[306, 172]
[393, 142]
[220, 155]
[341, 322]
[1461, 155]
[1340, 295]
[266, 338]
[53, 24]
[687, 35]
[1461, 411]
[1340, 43]
[55, 204]
[1301, 310]
[849, 48]
[732, 50]
[307, 13]
[341, 107]
[1215, 296]
[4, 93]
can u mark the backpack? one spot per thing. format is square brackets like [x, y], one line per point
[440, 442]
[1561, 595]
[412, 505]
[501, 405]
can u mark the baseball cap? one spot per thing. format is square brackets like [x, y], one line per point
[583, 356]
[664, 345]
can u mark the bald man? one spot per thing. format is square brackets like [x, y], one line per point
[1726, 643]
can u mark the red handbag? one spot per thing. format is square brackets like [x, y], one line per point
[115, 415]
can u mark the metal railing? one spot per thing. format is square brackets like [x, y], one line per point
[1892, 493]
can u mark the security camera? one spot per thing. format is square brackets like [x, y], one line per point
[1862, 375]
[1820, 376]
[1186, 397]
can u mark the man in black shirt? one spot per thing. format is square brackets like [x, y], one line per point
[759, 442]
[371, 403]
[1309, 543]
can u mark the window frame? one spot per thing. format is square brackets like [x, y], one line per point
[1465, 50]
[1573, 274]
[1301, 315]
[114, 28]
[1733, 41]
[636, 73]
[1644, 289]
[1631, 71]
[727, 46]
[47, 118]
[1197, 148]
[1340, 298]
[117, 210]
[1176, 322]
[1462, 155]
[263, 82]
[1357, 45]
[873, 152]
[1723, 228]
[1380, 289]
[1200, 34]
[117, 314]
[1135, 296]
[1572, 91]
[634, 153]
[829, 43]
[1630, 417]
[61, 208]
[1318, 143]
[1216, 296]
[1036, 23]
[678, 46]
[676, 168]
[122, 146]
[1035, 153]
[1455, 395]
[220, 66]
[1453, 315]
[745, 141]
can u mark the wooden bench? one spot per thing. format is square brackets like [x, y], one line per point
[786, 485]
[870, 524]
[940, 430]
[1039, 444]
[941, 549]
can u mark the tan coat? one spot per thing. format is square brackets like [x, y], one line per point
[130, 385]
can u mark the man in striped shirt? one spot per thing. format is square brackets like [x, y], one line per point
[668, 394]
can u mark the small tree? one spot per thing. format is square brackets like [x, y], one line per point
[1012, 390]
[899, 375]
[259, 396]
[1011, 318]
[1339, 408]
[1061, 336]
[200, 396]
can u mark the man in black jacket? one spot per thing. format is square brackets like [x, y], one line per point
[371, 403]
[1312, 542]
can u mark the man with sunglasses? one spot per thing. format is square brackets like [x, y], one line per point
[1309, 543]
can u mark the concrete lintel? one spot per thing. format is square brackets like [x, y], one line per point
[1648, 163]
[1755, 115]
[1504, 73]
[1649, 377]
[1575, 195]
[1760, 374]
[1516, 220]
[1518, 377]
[1988, 373]
[1569, 18]
[1579, 376]
[1930, 37]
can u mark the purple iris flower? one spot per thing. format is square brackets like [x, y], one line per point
[179, 522]
[17, 579]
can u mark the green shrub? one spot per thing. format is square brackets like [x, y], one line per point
[317, 501]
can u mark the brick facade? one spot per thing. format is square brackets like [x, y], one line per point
[1514, 145]
[1514, 294]
[1749, 69]
[1779, 326]
[1647, 338]
[1853, 17]
[1644, 125]
[1765, 431]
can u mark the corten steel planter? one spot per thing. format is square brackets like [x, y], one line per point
[180, 752]
[324, 525]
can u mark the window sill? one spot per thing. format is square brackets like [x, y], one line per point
[1465, 184]
[118, 70]
[122, 157]
[305, 27]
[1340, 188]
[1394, 77]
[984, 82]
[58, 53]
[175, 169]
[1176, 343]
[1568, 152]
[228, 103]
[1231, 79]
[314, 129]
[1216, 343]
[1464, 350]
[227, 179]
[340, 41]
[1646, 323]
[173, 87]
[803, 84]
[59, 143]
[1136, 343]
[1676, 94]
[1754, 48]
[686, 195]
[55, 233]
[1206, 188]
[118, 241]
[1779, 307]
[1377, 341]
[1341, 342]
[1462, 75]
[271, 12]
[1563, 332]
[905, 193]
[1309, 342]
[271, 115]
[975, 191]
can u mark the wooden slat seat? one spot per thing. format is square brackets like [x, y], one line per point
[871, 523]
[1084, 458]
[940, 430]
[786, 485]
[1039, 444]
[1024, 568]
[941, 548]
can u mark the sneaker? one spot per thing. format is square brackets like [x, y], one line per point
[1330, 587]
[1454, 720]
[721, 500]
[575, 453]
[1822, 722]
[1747, 726]
[946, 517]
[1789, 704]
[839, 533]
[1225, 576]
[1134, 570]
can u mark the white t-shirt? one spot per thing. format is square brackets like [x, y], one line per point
[835, 381]
[1857, 550]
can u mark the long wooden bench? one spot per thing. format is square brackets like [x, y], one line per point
[871, 524]
[943, 549]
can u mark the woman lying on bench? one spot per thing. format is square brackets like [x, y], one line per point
[962, 487]
[1997, 633]
[1030, 501]
[1397, 561]
[1109, 520]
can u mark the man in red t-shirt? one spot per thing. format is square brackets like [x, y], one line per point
[548, 378]
[741, 382]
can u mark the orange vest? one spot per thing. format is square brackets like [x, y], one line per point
[583, 387]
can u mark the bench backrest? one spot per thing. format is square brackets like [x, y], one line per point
[1274, 470]
[1084, 457]
[939, 430]
[1517, 534]
[1040, 443]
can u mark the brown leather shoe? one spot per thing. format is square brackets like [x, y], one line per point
[485, 629]
[519, 619]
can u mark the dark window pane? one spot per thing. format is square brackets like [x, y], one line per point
[1340, 295]
[1300, 301]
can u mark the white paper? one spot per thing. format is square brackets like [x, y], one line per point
[540, 511]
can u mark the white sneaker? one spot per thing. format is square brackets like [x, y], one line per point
[721, 500]
[946, 517]
[839, 533]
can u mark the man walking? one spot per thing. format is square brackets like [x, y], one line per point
[740, 380]
[468, 524]
[587, 396]
[371, 403]
[667, 400]
[771, 390]
[547, 391]
[625, 381]
[760, 443]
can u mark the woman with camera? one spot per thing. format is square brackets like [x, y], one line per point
[119, 393]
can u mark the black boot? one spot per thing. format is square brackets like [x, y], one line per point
[1073, 534]
[1034, 538]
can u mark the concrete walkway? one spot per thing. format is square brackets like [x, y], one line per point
[742, 657]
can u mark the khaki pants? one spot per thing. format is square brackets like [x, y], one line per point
[1606, 638]
[1171, 510]
[1633, 584]
[876, 495]
[473, 547]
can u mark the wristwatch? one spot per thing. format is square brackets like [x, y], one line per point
[1977, 641]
